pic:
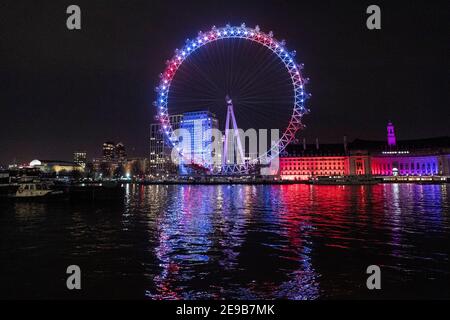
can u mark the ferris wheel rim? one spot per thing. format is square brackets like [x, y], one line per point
[236, 32]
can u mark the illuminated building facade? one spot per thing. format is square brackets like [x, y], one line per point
[113, 159]
[159, 160]
[55, 166]
[406, 165]
[108, 151]
[114, 152]
[412, 162]
[198, 123]
[80, 158]
[302, 162]
[392, 141]
[157, 157]
[119, 153]
[424, 157]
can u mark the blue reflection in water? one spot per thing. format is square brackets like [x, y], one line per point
[242, 242]
[208, 228]
[262, 241]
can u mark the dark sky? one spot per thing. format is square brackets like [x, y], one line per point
[64, 90]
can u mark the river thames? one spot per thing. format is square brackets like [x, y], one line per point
[232, 242]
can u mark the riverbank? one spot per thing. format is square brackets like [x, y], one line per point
[346, 180]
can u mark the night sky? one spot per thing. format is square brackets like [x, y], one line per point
[62, 90]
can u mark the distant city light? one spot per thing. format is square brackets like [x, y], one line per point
[395, 152]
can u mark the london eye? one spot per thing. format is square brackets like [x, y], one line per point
[242, 76]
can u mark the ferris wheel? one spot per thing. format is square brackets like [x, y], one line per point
[229, 43]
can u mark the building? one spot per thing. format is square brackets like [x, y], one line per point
[157, 157]
[159, 160]
[422, 157]
[56, 166]
[80, 158]
[302, 162]
[120, 154]
[392, 141]
[197, 124]
[108, 151]
[113, 159]
[106, 168]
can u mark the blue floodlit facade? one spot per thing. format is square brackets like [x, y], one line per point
[197, 123]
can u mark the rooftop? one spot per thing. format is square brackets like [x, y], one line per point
[416, 144]
[337, 149]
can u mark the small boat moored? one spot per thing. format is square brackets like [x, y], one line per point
[344, 180]
[36, 191]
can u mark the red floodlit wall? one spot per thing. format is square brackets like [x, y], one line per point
[302, 168]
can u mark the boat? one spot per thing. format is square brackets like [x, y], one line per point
[36, 191]
[417, 179]
[344, 180]
[7, 188]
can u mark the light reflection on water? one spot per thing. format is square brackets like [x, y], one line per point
[242, 241]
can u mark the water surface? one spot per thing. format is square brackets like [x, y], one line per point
[223, 241]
